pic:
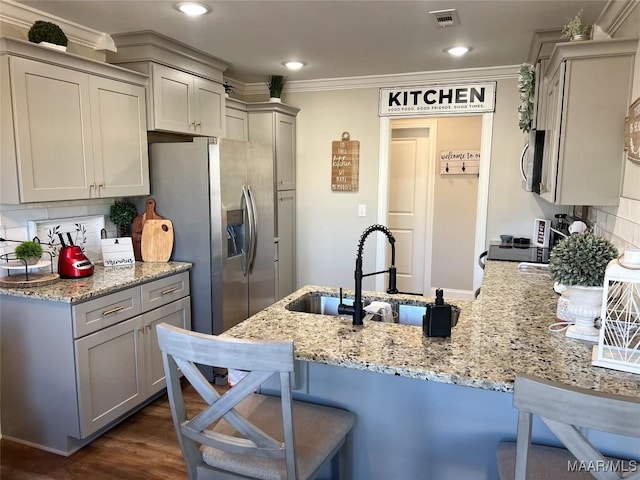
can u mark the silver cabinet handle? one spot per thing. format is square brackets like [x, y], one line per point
[171, 290]
[113, 310]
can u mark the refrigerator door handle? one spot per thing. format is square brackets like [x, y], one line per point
[247, 220]
[254, 232]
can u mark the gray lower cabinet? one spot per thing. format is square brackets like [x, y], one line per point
[71, 371]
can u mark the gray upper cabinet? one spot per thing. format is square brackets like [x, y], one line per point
[185, 93]
[185, 103]
[588, 87]
[237, 120]
[275, 124]
[72, 128]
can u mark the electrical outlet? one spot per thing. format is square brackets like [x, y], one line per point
[362, 210]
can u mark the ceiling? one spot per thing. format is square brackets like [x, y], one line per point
[346, 38]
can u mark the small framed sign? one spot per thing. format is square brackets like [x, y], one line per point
[345, 160]
[117, 251]
[632, 136]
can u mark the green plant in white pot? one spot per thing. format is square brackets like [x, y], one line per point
[276, 84]
[579, 262]
[29, 251]
[48, 34]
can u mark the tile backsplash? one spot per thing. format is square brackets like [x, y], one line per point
[619, 224]
[14, 218]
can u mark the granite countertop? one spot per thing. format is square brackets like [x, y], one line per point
[104, 280]
[504, 332]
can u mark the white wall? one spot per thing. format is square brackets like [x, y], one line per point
[328, 226]
[455, 205]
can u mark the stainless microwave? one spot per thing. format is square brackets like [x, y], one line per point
[531, 161]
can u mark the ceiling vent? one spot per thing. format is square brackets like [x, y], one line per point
[446, 18]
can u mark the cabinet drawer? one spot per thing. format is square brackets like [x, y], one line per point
[165, 290]
[102, 312]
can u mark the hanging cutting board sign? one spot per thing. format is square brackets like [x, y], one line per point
[345, 160]
[632, 137]
[437, 99]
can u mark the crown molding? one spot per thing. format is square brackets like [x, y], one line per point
[542, 43]
[614, 15]
[403, 79]
[22, 16]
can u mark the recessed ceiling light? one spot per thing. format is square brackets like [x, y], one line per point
[293, 65]
[457, 51]
[193, 9]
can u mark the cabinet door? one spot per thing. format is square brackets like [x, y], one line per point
[552, 137]
[285, 138]
[110, 374]
[237, 125]
[53, 131]
[118, 119]
[172, 100]
[177, 314]
[209, 108]
[286, 221]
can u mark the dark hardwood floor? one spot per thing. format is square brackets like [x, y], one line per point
[142, 447]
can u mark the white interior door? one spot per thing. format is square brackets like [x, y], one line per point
[410, 195]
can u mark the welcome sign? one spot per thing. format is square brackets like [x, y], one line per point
[438, 99]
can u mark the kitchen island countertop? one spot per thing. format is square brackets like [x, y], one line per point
[104, 280]
[503, 332]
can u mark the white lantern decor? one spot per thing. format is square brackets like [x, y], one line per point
[619, 341]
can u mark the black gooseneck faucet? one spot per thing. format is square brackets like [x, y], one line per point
[357, 310]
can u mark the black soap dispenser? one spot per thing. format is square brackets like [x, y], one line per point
[437, 321]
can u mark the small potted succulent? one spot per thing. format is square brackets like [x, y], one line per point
[575, 30]
[579, 262]
[122, 213]
[48, 34]
[29, 251]
[276, 84]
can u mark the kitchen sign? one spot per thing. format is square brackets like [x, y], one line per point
[345, 160]
[632, 137]
[438, 99]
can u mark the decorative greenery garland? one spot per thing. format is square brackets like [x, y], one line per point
[526, 87]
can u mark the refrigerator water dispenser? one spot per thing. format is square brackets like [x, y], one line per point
[235, 233]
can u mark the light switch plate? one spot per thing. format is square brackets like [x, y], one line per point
[362, 210]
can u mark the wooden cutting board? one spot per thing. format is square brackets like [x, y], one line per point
[138, 225]
[157, 240]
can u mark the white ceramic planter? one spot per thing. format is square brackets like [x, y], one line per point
[585, 306]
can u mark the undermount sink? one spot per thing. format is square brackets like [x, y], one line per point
[320, 304]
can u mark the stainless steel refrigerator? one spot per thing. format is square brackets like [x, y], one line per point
[219, 195]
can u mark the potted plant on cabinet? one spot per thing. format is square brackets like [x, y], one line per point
[276, 84]
[48, 34]
[575, 30]
[29, 251]
[122, 213]
[578, 262]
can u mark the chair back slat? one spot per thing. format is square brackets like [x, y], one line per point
[233, 353]
[230, 444]
[606, 412]
[580, 447]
